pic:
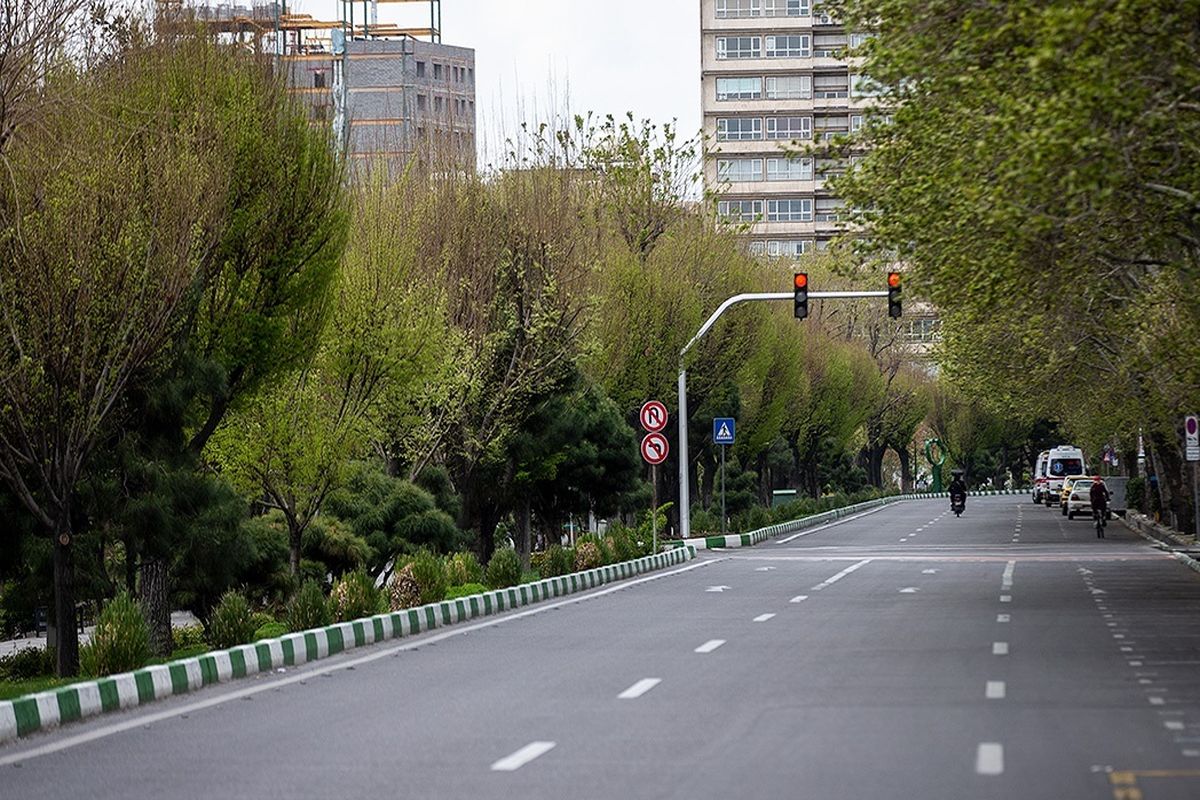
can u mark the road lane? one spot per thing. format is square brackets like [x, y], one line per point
[858, 690]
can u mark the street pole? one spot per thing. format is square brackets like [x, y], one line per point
[685, 523]
[722, 490]
[654, 509]
[1196, 500]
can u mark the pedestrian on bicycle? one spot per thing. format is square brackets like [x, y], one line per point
[1098, 497]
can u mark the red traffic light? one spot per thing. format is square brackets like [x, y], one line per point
[801, 280]
[894, 280]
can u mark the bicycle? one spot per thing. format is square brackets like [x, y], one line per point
[1100, 515]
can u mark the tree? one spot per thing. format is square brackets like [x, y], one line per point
[101, 243]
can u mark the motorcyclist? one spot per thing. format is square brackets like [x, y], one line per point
[958, 488]
[1098, 498]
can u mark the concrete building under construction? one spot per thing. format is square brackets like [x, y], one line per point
[388, 93]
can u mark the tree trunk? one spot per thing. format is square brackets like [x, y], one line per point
[523, 538]
[130, 566]
[156, 607]
[67, 653]
[295, 535]
[906, 477]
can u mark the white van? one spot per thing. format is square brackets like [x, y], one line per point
[1061, 461]
[1039, 477]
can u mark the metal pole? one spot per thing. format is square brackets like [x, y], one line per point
[654, 509]
[685, 509]
[722, 490]
[1196, 499]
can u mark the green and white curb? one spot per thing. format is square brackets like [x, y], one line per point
[26, 715]
[762, 534]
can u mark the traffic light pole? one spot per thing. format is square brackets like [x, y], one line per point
[685, 508]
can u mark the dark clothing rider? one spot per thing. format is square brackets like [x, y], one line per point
[958, 487]
[1098, 495]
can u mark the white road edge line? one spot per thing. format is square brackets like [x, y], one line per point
[828, 525]
[989, 759]
[639, 688]
[305, 674]
[709, 646]
[763, 617]
[523, 756]
[841, 575]
[995, 690]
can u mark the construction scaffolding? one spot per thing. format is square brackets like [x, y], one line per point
[382, 87]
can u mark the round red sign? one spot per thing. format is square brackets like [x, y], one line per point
[653, 416]
[655, 448]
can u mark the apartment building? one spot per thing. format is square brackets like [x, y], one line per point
[773, 81]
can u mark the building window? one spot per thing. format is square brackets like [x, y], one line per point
[790, 87]
[734, 9]
[788, 248]
[740, 210]
[862, 86]
[828, 209]
[439, 103]
[737, 129]
[830, 86]
[319, 80]
[856, 122]
[789, 128]
[739, 47]
[858, 39]
[437, 71]
[796, 209]
[420, 69]
[739, 88]
[739, 170]
[789, 46]
[830, 167]
[828, 45]
[470, 74]
[756, 248]
[789, 169]
[422, 103]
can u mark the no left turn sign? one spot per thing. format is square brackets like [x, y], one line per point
[655, 448]
[653, 416]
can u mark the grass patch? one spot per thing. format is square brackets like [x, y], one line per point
[13, 689]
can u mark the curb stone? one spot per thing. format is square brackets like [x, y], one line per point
[762, 534]
[25, 715]
[1153, 532]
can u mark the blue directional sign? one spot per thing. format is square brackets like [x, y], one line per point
[723, 430]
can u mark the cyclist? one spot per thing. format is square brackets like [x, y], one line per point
[958, 492]
[1098, 498]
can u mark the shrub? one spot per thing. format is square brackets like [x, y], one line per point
[232, 623]
[403, 591]
[587, 555]
[120, 642]
[467, 589]
[27, 663]
[463, 568]
[624, 543]
[554, 561]
[504, 569]
[187, 636]
[354, 596]
[272, 630]
[261, 618]
[430, 575]
[308, 608]
[608, 547]
[1135, 494]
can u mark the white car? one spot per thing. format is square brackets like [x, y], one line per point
[1080, 501]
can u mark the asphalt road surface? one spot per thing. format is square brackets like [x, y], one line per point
[903, 653]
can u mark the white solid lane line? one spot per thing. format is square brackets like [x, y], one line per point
[523, 756]
[709, 646]
[995, 690]
[639, 688]
[800, 598]
[999, 648]
[828, 525]
[841, 575]
[763, 617]
[989, 760]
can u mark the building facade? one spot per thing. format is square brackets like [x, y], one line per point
[774, 80]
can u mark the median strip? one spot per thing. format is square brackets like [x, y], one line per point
[26, 715]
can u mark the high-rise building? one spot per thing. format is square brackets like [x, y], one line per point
[775, 79]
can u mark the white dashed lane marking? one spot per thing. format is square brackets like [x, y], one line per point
[995, 690]
[522, 757]
[709, 646]
[763, 617]
[639, 688]
[999, 648]
[830, 581]
[989, 758]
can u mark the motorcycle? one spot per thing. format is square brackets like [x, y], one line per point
[958, 504]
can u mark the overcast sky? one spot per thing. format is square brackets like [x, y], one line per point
[608, 57]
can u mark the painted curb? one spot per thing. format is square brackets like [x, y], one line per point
[1153, 532]
[25, 715]
[762, 534]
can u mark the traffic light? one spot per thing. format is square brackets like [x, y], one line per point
[800, 285]
[894, 295]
